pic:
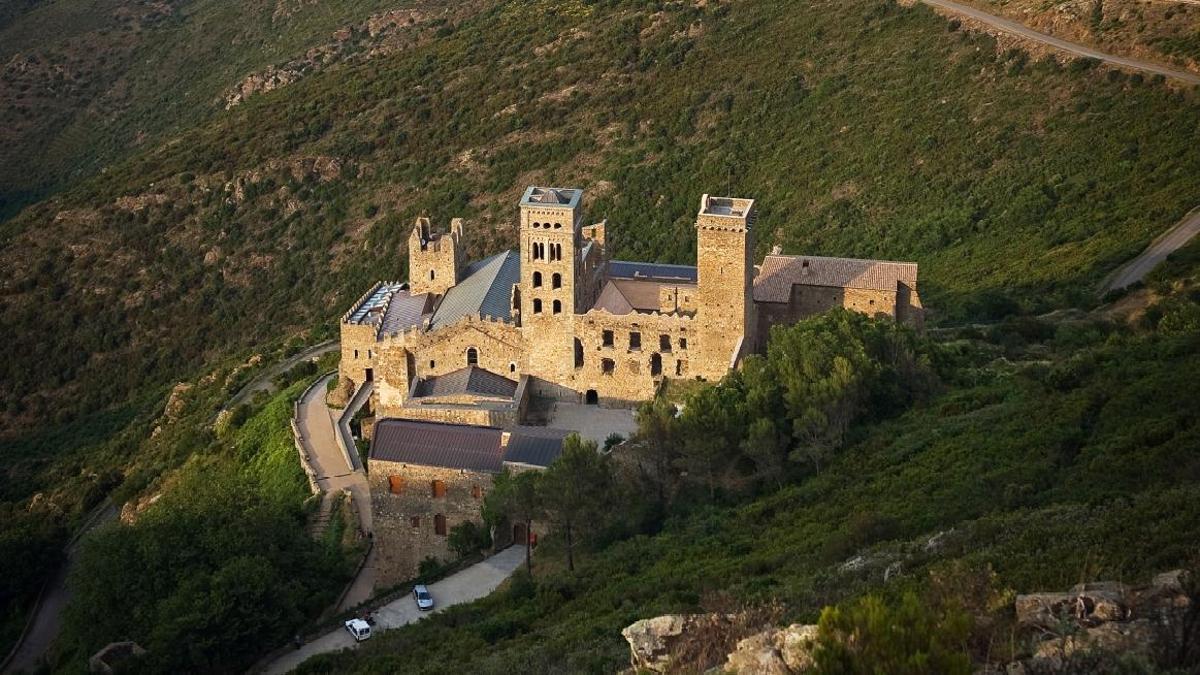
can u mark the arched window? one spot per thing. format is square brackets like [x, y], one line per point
[556, 280]
[512, 367]
[558, 226]
[537, 279]
[537, 306]
[558, 306]
[472, 356]
[432, 274]
[537, 224]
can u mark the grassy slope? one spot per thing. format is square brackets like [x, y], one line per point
[1108, 490]
[239, 502]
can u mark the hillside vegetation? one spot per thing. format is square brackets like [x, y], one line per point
[875, 132]
[1054, 453]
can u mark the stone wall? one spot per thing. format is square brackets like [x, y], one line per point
[806, 301]
[500, 348]
[480, 417]
[724, 301]
[360, 353]
[401, 542]
[435, 260]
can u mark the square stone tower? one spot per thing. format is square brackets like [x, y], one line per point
[435, 259]
[551, 220]
[724, 297]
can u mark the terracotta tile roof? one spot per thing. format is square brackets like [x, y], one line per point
[780, 272]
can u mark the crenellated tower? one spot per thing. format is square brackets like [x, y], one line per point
[435, 259]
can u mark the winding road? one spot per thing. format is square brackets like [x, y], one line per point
[1021, 30]
[1158, 250]
[318, 426]
[468, 585]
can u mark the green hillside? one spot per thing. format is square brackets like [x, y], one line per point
[1052, 455]
[150, 236]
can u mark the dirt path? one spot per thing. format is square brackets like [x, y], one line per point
[1158, 250]
[1020, 30]
[468, 585]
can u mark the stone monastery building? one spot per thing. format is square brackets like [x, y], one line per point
[470, 342]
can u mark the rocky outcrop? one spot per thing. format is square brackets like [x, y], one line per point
[652, 642]
[775, 651]
[1107, 617]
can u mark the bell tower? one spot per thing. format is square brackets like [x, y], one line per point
[550, 237]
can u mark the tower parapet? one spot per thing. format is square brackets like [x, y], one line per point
[435, 259]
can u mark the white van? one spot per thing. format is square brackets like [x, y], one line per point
[360, 629]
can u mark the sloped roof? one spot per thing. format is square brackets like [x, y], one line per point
[450, 446]
[460, 446]
[780, 272]
[469, 380]
[485, 291]
[536, 446]
[403, 312]
[622, 296]
[369, 311]
[642, 270]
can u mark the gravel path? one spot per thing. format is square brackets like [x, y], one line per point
[1158, 250]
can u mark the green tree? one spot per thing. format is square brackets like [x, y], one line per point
[713, 424]
[576, 491]
[656, 445]
[514, 498]
[468, 537]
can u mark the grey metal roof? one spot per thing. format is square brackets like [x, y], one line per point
[403, 312]
[486, 291]
[534, 446]
[459, 446]
[368, 311]
[469, 380]
[643, 270]
[450, 446]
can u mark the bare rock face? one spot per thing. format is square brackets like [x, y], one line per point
[782, 651]
[651, 640]
[1050, 611]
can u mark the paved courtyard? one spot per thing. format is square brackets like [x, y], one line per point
[591, 421]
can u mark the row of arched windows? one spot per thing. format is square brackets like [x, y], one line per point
[555, 280]
[555, 307]
[557, 226]
[539, 251]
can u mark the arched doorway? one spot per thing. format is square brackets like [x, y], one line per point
[591, 397]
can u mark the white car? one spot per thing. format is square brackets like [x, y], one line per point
[361, 630]
[423, 598]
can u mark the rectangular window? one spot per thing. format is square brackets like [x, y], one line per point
[396, 485]
[607, 366]
[607, 338]
[439, 488]
[537, 306]
[476, 492]
[356, 353]
[635, 341]
[683, 343]
[439, 525]
[415, 521]
[664, 343]
[432, 364]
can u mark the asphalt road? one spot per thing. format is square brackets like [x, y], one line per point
[1021, 30]
[263, 382]
[317, 425]
[1135, 270]
[48, 622]
[468, 585]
